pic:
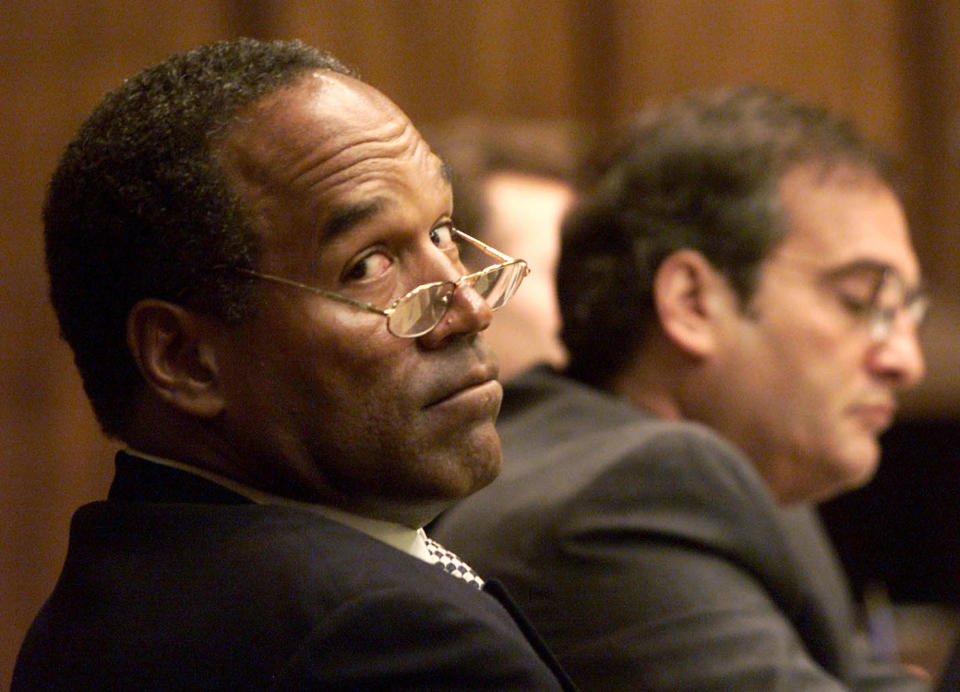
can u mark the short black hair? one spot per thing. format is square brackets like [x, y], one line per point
[138, 206]
[701, 172]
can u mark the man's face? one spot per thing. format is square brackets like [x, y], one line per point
[809, 390]
[523, 219]
[322, 402]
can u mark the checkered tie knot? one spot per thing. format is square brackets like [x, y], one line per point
[451, 564]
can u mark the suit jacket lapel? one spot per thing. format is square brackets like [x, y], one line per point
[497, 590]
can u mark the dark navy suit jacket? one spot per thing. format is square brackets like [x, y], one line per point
[177, 583]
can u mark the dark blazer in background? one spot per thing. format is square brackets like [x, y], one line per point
[176, 583]
[950, 678]
[650, 555]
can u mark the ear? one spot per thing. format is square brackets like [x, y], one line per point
[688, 294]
[173, 351]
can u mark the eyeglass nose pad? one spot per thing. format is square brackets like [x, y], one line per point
[881, 325]
[467, 281]
[465, 312]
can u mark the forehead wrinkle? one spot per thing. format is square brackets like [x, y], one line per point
[391, 141]
[311, 154]
[319, 176]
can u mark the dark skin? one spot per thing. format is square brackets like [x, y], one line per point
[313, 399]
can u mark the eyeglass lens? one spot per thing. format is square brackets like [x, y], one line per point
[422, 309]
[889, 299]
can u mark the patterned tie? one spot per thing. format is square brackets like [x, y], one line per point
[451, 564]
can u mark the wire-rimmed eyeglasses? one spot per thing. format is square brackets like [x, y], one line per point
[874, 294]
[420, 310]
[887, 300]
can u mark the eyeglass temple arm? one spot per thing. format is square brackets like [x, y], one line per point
[486, 248]
[493, 252]
[313, 289]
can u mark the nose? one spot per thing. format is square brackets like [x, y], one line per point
[900, 356]
[468, 313]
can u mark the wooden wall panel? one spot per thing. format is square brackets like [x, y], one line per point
[842, 54]
[932, 122]
[437, 59]
[890, 64]
[57, 61]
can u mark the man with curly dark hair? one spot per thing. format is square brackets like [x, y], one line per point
[252, 255]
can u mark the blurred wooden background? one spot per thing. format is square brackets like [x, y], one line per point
[889, 64]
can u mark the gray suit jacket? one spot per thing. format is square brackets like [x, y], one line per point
[650, 555]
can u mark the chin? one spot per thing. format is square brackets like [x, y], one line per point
[482, 470]
[470, 467]
[854, 471]
[833, 472]
[479, 451]
[864, 474]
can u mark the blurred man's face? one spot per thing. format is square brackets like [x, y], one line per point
[523, 215]
[323, 403]
[810, 386]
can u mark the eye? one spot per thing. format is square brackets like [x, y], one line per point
[856, 305]
[443, 236]
[861, 291]
[368, 267]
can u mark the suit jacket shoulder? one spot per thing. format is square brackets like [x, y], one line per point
[585, 454]
[649, 552]
[227, 594]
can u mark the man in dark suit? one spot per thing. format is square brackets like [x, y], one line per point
[252, 256]
[740, 302]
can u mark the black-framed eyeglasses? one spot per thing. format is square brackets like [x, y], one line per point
[420, 310]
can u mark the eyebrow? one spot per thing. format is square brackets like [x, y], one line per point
[858, 266]
[446, 171]
[346, 216]
[880, 269]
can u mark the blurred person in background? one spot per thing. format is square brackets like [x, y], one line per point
[512, 181]
[950, 677]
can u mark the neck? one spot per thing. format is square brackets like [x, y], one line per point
[652, 380]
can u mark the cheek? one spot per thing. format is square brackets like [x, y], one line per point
[819, 373]
[343, 407]
[323, 361]
[351, 370]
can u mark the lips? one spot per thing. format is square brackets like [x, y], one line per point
[877, 415]
[475, 378]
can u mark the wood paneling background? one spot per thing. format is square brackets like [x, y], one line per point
[889, 64]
